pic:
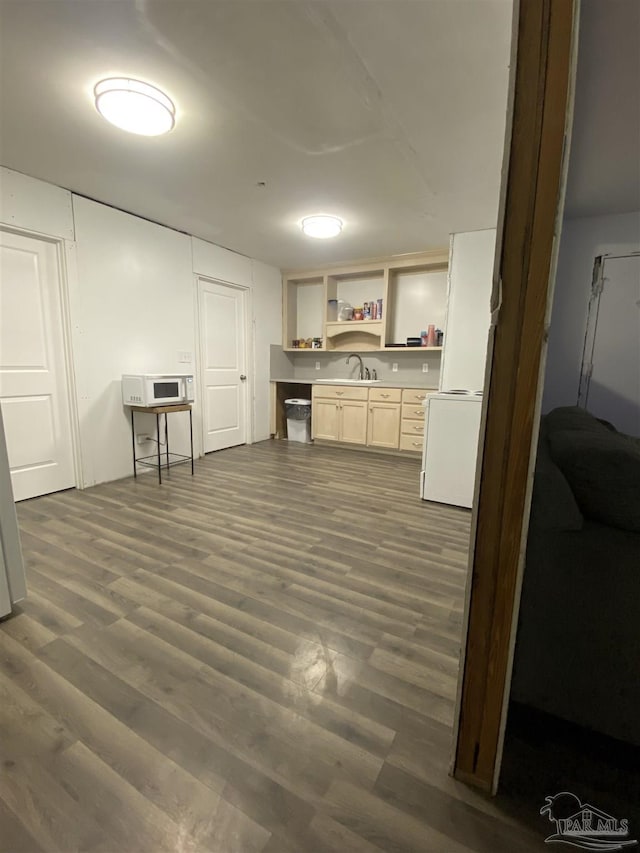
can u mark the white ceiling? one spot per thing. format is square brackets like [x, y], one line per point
[389, 113]
[604, 166]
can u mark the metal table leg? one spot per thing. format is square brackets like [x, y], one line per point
[166, 436]
[133, 444]
[158, 443]
[191, 439]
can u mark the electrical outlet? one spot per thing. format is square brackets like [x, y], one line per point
[394, 367]
[185, 357]
[425, 367]
[142, 438]
[317, 365]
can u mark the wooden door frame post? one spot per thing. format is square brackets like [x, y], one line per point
[544, 32]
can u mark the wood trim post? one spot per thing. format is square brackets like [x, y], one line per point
[525, 248]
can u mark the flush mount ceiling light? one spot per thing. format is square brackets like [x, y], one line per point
[135, 106]
[321, 226]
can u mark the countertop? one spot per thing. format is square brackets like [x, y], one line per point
[384, 383]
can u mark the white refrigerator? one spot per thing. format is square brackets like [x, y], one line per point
[452, 416]
[13, 587]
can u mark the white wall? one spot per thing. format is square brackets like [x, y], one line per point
[267, 311]
[132, 310]
[582, 241]
[35, 206]
[132, 303]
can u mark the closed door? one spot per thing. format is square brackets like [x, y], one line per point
[223, 364]
[34, 390]
[325, 421]
[384, 425]
[353, 421]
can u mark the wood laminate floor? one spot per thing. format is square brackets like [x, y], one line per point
[261, 658]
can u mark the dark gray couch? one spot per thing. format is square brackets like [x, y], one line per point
[577, 652]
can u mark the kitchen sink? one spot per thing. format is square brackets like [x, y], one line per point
[350, 381]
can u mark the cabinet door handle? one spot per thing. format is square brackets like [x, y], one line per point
[419, 412]
[421, 396]
[339, 392]
[384, 395]
[418, 427]
[416, 443]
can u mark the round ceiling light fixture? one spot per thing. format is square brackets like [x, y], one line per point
[135, 106]
[321, 226]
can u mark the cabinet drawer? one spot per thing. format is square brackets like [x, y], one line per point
[385, 395]
[411, 442]
[412, 427]
[339, 392]
[415, 395]
[413, 411]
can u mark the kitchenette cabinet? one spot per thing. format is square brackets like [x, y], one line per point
[383, 429]
[353, 422]
[325, 419]
[376, 416]
[412, 425]
[339, 413]
[410, 291]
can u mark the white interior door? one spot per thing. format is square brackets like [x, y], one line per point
[34, 390]
[223, 364]
[611, 369]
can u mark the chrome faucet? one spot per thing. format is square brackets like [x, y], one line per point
[355, 355]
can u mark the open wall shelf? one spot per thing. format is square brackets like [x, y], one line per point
[413, 290]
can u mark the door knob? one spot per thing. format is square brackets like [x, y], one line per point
[243, 377]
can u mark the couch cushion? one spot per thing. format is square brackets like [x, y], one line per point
[573, 418]
[553, 505]
[603, 471]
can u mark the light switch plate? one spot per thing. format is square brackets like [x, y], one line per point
[394, 367]
[317, 365]
[185, 357]
[425, 367]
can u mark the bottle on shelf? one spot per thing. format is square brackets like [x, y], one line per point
[431, 335]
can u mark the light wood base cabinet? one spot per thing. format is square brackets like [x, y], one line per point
[411, 443]
[325, 419]
[384, 425]
[336, 416]
[413, 421]
[386, 418]
[353, 421]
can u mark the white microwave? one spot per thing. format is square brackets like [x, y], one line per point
[157, 389]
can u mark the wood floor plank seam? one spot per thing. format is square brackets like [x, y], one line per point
[261, 658]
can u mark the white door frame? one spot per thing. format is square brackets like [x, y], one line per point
[249, 354]
[67, 281]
